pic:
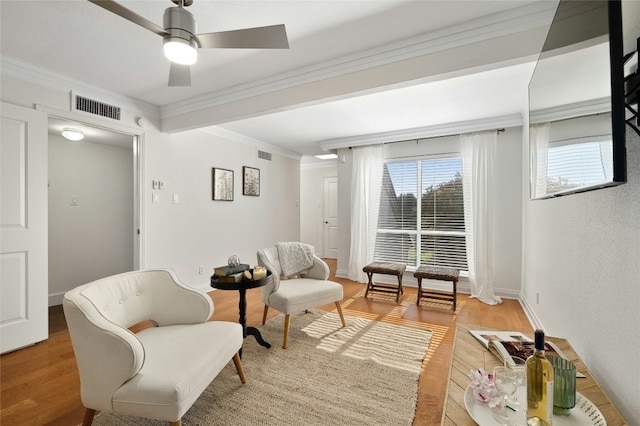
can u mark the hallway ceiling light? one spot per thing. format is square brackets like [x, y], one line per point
[326, 156]
[72, 134]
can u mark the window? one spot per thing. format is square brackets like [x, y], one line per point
[429, 231]
[582, 162]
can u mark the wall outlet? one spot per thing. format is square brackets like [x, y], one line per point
[201, 269]
[537, 297]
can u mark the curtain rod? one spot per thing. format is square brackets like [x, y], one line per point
[500, 130]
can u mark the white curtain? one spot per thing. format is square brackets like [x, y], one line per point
[366, 184]
[478, 155]
[538, 158]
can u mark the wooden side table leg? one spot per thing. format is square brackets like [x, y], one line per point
[419, 290]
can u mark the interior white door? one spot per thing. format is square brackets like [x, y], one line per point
[23, 228]
[330, 193]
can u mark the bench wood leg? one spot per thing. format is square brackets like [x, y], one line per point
[450, 297]
[369, 284]
[455, 296]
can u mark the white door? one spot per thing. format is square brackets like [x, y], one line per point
[330, 193]
[23, 228]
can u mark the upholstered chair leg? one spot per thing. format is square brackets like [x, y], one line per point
[238, 364]
[178, 423]
[287, 321]
[264, 314]
[339, 308]
[88, 417]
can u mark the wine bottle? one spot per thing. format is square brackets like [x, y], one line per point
[539, 386]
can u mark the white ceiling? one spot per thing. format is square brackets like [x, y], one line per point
[81, 41]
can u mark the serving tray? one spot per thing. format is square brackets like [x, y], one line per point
[584, 413]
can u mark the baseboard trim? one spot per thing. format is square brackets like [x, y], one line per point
[530, 313]
[55, 299]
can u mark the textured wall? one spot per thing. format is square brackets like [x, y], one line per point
[582, 256]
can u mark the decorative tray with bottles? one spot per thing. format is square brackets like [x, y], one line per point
[584, 413]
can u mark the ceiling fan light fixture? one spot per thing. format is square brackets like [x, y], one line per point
[180, 51]
[72, 134]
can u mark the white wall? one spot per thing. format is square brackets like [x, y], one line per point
[507, 205]
[94, 238]
[197, 231]
[582, 255]
[312, 203]
[201, 232]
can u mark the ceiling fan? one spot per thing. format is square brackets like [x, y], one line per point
[181, 42]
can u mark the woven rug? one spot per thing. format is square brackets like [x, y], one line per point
[364, 374]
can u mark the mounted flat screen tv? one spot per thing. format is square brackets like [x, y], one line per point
[576, 102]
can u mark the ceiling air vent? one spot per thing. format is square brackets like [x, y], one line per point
[264, 155]
[81, 103]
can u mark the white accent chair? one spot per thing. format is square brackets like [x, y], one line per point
[292, 295]
[160, 371]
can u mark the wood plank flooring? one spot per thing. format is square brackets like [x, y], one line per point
[39, 385]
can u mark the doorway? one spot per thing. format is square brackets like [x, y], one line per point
[330, 217]
[93, 205]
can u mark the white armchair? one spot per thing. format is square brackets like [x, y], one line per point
[160, 371]
[309, 290]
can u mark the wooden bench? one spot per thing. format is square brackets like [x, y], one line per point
[437, 273]
[385, 268]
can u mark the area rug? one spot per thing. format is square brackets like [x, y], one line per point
[364, 374]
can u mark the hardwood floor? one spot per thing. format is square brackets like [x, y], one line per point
[39, 385]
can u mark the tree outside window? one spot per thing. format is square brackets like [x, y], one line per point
[427, 233]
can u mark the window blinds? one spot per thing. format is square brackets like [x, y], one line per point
[424, 229]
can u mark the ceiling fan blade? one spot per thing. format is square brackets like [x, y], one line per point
[125, 13]
[270, 37]
[179, 75]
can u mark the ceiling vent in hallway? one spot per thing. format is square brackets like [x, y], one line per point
[91, 106]
[264, 155]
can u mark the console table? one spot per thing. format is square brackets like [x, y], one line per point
[469, 354]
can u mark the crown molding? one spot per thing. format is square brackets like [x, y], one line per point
[245, 140]
[448, 129]
[577, 109]
[530, 16]
[21, 70]
[320, 164]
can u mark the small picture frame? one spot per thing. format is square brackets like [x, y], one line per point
[222, 184]
[250, 181]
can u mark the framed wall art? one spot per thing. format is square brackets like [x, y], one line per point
[250, 181]
[222, 184]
